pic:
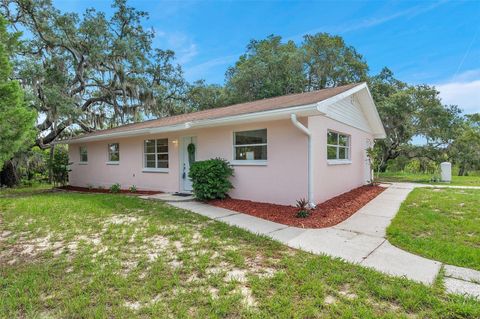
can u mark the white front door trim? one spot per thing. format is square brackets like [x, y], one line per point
[184, 167]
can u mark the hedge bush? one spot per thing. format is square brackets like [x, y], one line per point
[211, 178]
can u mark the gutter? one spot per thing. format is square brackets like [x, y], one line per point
[306, 131]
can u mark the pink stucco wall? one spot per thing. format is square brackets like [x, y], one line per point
[332, 180]
[283, 180]
[129, 170]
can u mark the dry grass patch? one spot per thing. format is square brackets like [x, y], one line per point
[88, 255]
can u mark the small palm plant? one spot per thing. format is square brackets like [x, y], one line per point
[303, 210]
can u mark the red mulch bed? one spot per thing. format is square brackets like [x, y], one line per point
[98, 190]
[327, 214]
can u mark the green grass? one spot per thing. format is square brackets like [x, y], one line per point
[72, 255]
[25, 190]
[442, 224]
[426, 179]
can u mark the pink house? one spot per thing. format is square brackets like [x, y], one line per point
[309, 145]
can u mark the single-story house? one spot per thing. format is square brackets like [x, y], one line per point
[310, 145]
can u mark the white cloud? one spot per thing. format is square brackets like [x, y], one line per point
[184, 47]
[187, 53]
[198, 71]
[369, 22]
[464, 94]
[463, 91]
[470, 75]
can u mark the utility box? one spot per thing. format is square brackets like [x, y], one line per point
[446, 172]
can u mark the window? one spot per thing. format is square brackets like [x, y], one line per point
[250, 145]
[113, 152]
[156, 154]
[83, 154]
[338, 146]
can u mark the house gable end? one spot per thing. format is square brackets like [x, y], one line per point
[349, 111]
[356, 108]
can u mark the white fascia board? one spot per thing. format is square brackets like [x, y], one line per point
[258, 116]
[145, 131]
[380, 132]
[380, 136]
[323, 105]
[308, 109]
[106, 136]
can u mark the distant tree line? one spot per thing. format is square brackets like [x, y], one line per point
[71, 74]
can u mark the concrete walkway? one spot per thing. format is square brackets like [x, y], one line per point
[168, 197]
[360, 239]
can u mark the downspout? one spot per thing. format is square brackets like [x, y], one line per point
[307, 132]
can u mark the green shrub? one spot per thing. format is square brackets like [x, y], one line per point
[27, 183]
[115, 188]
[413, 167]
[133, 189]
[211, 178]
[59, 165]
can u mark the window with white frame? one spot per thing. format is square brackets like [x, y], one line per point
[83, 154]
[113, 152]
[156, 154]
[338, 146]
[250, 145]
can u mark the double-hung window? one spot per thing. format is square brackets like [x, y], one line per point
[113, 153]
[338, 146]
[83, 155]
[156, 154]
[250, 146]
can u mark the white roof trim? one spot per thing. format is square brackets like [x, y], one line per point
[301, 110]
[322, 105]
[308, 109]
[381, 134]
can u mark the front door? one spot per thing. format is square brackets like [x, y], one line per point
[188, 156]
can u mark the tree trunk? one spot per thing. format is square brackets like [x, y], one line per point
[50, 167]
[8, 175]
[382, 167]
[461, 171]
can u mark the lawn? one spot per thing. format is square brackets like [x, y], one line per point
[25, 190]
[442, 224]
[72, 255]
[473, 180]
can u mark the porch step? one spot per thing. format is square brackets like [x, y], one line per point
[167, 197]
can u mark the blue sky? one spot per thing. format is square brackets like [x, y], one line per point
[433, 42]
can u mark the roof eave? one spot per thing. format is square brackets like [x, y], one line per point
[301, 110]
[380, 132]
[317, 108]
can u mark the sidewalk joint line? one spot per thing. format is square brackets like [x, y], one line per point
[281, 228]
[464, 280]
[370, 253]
[233, 214]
